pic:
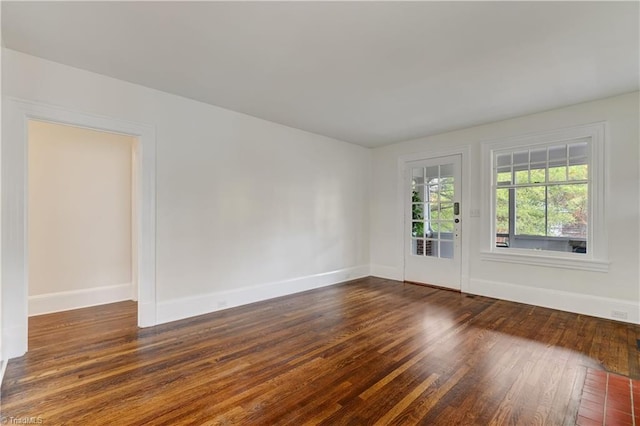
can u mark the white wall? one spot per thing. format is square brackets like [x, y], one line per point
[594, 293]
[79, 225]
[246, 208]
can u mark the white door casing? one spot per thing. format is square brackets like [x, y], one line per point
[15, 210]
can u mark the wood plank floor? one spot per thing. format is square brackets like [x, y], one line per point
[366, 352]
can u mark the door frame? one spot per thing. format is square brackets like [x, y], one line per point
[465, 199]
[447, 272]
[14, 259]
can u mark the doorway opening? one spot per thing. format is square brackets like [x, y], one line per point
[15, 209]
[81, 222]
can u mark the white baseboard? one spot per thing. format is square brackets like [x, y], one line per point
[75, 299]
[172, 310]
[387, 272]
[601, 307]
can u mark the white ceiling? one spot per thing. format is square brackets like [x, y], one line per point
[363, 72]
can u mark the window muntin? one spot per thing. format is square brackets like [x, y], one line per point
[541, 196]
[432, 200]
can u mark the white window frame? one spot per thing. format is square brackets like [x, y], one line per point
[596, 258]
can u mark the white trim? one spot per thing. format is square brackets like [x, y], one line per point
[12, 337]
[596, 258]
[14, 211]
[386, 272]
[177, 309]
[465, 216]
[3, 368]
[76, 299]
[601, 307]
[3, 357]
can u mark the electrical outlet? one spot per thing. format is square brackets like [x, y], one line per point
[619, 314]
[222, 303]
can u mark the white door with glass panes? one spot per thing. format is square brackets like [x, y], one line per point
[433, 221]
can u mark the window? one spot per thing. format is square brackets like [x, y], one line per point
[547, 198]
[541, 197]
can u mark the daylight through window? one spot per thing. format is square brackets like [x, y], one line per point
[542, 196]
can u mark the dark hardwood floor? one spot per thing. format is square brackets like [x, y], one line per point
[370, 351]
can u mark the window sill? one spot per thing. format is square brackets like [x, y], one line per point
[562, 262]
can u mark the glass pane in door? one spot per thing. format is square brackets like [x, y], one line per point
[432, 199]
